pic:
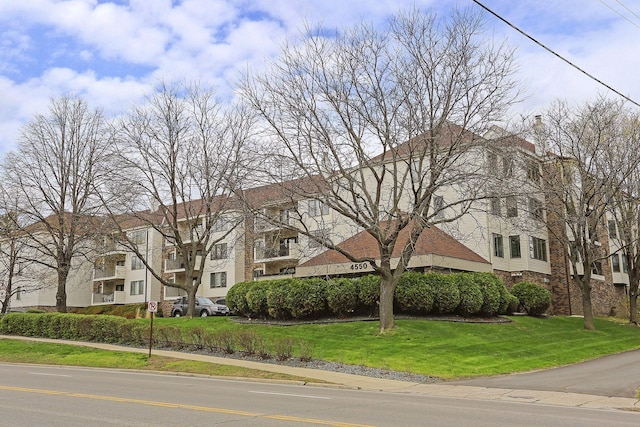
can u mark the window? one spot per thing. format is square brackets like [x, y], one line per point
[496, 208]
[492, 163]
[438, 205]
[625, 264]
[318, 208]
[220, 225]
[537, 248]
[533, 171]
[507, 166]
[137, 287]
[321, 234]
[219, 251]
[120, 288]
[498, 246]
[613, 232]
[218, 280]
[512, 207]
[137, 237]
[136, 263]
[514, 246]
[615, 263]
[18, 293]
[535, 208]
[596, 268]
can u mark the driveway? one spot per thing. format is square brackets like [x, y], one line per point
[616, 375]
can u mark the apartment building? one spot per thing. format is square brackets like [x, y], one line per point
[279, 234]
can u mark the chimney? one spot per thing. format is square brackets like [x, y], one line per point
[538, 136]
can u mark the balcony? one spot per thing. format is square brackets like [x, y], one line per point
[110, 247]
[264, 224]
[185, 235]
[115, 297]
[177, 265]
[262, 254]
[110, 273]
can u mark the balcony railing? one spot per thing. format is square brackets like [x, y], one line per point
[115, 297]
[115, 272]
[178, 264]
[291, 252]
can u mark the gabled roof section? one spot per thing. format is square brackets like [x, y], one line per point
[432, 241]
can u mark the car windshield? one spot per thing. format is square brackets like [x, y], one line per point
[204, 301]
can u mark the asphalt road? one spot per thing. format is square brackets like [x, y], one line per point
[63, 396]
[616, 375]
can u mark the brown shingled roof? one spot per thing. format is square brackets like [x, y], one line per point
[432, 241]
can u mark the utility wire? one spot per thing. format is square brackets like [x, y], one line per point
[556, 54]
[620, 14]
[630, 11]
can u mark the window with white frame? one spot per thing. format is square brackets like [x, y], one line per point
[492, 163]
[219, 251]
[625, 264]
[498, 245]
[318, 208]
[613, 231]
[537, 248]
[136, 263]
[535, 208]
[221, 224]
[512, 206]
[533, 170]
[496, 206]
[218, 280]
[615, 263]
[19, 293]
[136, 287]
[438, 206]
[507, 165]
[137, 237]
[514, 246]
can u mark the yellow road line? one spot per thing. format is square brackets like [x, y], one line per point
[183, 406]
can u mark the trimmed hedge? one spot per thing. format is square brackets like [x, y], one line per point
[471, 298]
[490, 286]
[446, 295]
[236, 298]
[414, 294]
[306, 298]
[342, 296]
[369, 292]
[534, 299]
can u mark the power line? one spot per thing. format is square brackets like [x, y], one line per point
[618, 13]
[630, 11]
[556, 54]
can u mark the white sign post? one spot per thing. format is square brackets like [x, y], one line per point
[152, 308]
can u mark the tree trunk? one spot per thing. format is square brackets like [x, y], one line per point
[191, 309]
[633, 306]
[61, 294]
[587, 309]
[387, 291]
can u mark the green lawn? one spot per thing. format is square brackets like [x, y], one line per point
[443, 349]
[17, 351]
[450, 350]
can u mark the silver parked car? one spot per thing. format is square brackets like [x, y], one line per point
[204, 307]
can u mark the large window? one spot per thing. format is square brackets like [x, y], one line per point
[514, 246]
[318, 208]
[219, 251]
[507, 166]
[492, 163]
[137, 237]
[537, 248]
[496, 207]
[535, 209]
[533, 170]
[221, 224]
[615, 263]
[136, 287]
[438, 206]
[218, 280]
[613, 232]
[512, 207]
[136, 263]
[498, 245]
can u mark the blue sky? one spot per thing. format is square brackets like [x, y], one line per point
[113, 52]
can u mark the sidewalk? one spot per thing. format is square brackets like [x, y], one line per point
[384, 385]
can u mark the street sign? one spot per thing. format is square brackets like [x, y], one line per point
[153, 307]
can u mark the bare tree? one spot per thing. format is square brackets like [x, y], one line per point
[381, 125]
[181, 152]
[59, 162]
[625, 210]
[593, 157]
